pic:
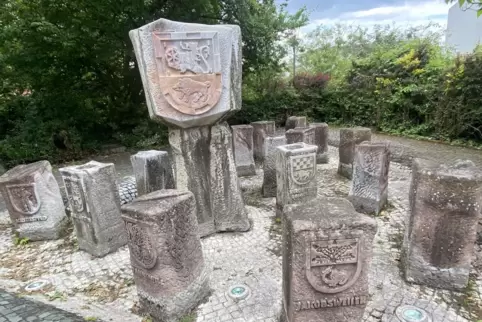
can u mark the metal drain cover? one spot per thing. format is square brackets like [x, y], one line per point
[239, 292]
[410, 313]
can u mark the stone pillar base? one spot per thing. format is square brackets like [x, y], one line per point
[345, 170]
[246, 170]
[367, 205]
[322, 158]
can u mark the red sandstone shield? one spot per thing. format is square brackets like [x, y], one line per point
[303, 168]
[189, 68]
[24, 198]
[140, 245]
[333, 266]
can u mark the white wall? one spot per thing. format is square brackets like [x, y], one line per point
[464, 29]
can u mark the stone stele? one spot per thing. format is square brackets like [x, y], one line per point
[301, 134]
[95, 207]
[445, 204]
[369, 187]
[34, 202]
[191, 73]
[166, 254]
[295, 174]
[261, 130]
[294, 122]
[321, 140]
[243, 150]
[204, 165]
[327, 253]
[269, 165]
[349, 137]
[153, 171]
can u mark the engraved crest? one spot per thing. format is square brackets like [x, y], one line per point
[303, 168]
[24, 198]
[140, 246]
[75, 194]
[189, 68]
[310, 137]
[333, 265]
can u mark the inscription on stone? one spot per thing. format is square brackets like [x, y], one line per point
[24, 198]
[75, 193]
[140, 245]
[189, 69]
[303, 168]
[30, 219]
[327, 303]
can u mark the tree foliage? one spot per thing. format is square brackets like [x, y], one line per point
[68, 66]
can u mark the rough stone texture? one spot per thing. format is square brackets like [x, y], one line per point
[95, 207]
[166, 253]
[204, 165]
[295, 174]
[326, 259]
[34, 202]
[445, 204]
[191, 73]
[153, 171]
[301, 134]
[243, 150]
[261, 130]
[127, 190]
[349, 137]
[269, 165]
[369, 188]
[295, 121]
[321, 140]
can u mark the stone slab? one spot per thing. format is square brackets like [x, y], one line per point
[269, 164]
[243, 150]
[295, 121]
[321, 140]
[349, 138]
[153, 171]
[261, 130]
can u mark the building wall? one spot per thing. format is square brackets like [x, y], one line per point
[464, 29]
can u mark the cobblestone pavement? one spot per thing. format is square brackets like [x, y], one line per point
[17, 309]
[103, 288]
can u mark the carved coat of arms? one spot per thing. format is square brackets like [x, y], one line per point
[140, 245]
[303, 168]
[24, 198]
[189, 68]
[75, 194]
[333, 266]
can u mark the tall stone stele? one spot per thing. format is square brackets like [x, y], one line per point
[191, 75]
[166, 254]
[369, 187]
[261, 131]
[349, 138]
[269, 164]
[295, 121]
[95, 207]
[321, 140]
[327, 253]
[33, 200]
[153, 171]
[445, 206]
[295, 175]
[301, 134]
[243, 150]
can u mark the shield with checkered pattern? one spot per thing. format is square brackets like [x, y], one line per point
[303, 168]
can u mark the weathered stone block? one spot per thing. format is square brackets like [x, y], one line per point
[191, 73]
[295, 174]
[95, 207]
[369, 188]
[269, 165]
[321, 140]
[153, 171]
[349, 137]
[327, 253]
[261, 130]
[301, 134]
[243, 150]
[33, 200]
[204, 165]
[445, 204]
[166, 254]
[295, 121]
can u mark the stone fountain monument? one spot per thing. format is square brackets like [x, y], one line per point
[191, 75]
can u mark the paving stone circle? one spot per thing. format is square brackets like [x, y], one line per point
[239, 292]
[410, 313]
[36, 285]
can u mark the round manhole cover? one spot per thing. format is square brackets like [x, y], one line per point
[409, 313]
[36, 285]
[239, 292]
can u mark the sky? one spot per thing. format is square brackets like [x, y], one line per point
[371, 12]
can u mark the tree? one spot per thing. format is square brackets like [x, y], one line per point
[475, 5]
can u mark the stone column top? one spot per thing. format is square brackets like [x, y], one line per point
[319, 213]
[262, 122]
[158, 202]
[297, 148]
[322, 124]
[25, 170]
[90, 167]
[149, 153]
[464, 170]
[242, 126]
[358, 128]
